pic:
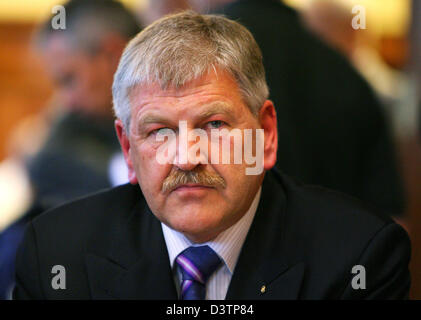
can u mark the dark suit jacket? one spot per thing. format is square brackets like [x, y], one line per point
[332, 129]
[302, 244]
[74, 161]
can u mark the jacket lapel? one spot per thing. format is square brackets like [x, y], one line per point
[136, 263]
[264, 270]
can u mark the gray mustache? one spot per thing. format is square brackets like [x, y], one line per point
[179, 177]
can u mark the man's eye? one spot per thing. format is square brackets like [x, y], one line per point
[163, 131]
[216, 124]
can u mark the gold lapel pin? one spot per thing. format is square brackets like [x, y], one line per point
[263, 289]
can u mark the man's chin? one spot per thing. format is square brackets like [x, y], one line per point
[195, 228]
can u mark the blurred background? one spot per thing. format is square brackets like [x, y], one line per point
[385, 52]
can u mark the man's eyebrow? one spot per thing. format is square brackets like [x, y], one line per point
[209, 110]
[151, 119]
[215, 108]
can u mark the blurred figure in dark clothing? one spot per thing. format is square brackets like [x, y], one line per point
[82, 60]
[332, 130]
[395, 88]
[75, 158]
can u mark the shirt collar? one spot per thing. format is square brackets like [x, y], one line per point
[227, 244]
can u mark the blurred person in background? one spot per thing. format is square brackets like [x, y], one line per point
[81, 147]
[82, 60]
[332, 128]
[155, 9]
[331, 21]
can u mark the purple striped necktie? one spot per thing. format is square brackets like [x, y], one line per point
[196, 265]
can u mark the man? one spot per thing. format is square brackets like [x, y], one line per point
[199, 227]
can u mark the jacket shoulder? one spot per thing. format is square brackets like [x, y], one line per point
[72, 225]
[316, 203]
[327, 222]
[62, 237]
[88, 208]
[332, 233]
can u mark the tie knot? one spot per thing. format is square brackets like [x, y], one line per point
[198, 263]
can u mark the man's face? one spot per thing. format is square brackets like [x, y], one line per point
[199, 210]
[82, 81]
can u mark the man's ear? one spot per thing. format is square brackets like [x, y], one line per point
[268, 122]
[125, 147]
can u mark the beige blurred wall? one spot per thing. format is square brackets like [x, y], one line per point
[27, 11]
[384, 17]
[25, 89]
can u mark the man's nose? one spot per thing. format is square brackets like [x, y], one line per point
[189, 154]
[188, 166]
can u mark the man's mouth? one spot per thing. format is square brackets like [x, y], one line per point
[191, 186]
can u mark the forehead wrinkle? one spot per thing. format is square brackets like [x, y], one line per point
[208, 109]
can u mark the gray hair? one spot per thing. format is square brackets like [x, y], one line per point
[182, 47]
